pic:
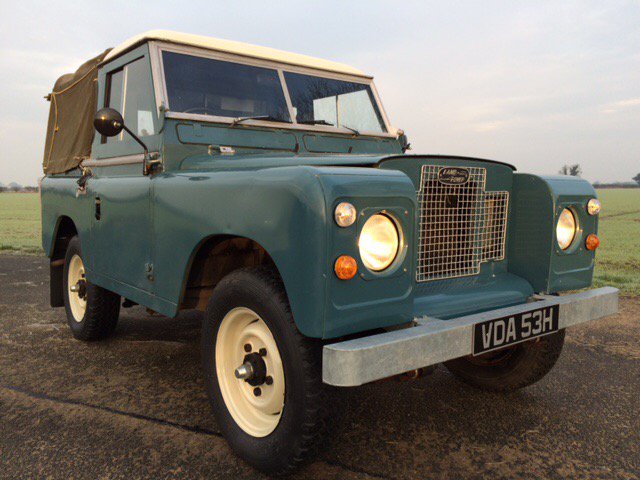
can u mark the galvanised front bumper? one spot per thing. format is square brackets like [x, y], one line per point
[431, 340]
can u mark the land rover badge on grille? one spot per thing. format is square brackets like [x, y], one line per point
[453, 175]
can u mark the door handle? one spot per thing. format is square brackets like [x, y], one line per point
[98, 211]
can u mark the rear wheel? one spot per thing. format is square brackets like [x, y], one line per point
[510, 368]
[262, 376]
[92, 311]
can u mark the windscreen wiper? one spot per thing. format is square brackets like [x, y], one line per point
[315, 122]
[324, 122]
[355, 132]
[238, 120]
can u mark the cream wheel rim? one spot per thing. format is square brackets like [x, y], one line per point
[256, 409]
[76, 288]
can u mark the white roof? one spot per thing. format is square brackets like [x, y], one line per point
[239, 48]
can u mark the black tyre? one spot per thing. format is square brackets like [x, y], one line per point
[510, 368]
[262, 376]
[92, 311]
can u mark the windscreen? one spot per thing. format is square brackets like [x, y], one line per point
[325, 101]
[213, 87]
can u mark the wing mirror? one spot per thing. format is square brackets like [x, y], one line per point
[109, 122]
[404, 141]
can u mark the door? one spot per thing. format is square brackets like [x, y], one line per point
[122, 223]
[121, 233]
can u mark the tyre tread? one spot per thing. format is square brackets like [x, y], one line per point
[315, 413]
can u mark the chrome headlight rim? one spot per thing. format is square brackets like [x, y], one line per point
[400, 253]
[565, 244]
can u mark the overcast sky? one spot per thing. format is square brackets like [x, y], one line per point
[537, 84]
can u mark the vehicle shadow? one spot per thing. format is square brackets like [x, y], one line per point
[385, 426]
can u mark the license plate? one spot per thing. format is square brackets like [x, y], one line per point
[505, 331]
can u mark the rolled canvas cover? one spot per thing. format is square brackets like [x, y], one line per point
[70, 129]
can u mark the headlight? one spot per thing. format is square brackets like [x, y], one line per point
[379, 242]
[593, 206]
[566, 229]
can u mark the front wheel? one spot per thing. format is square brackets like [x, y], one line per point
[510, 368]
[262, 376]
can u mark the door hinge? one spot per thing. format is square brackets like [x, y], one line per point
[82, 181]
[148, 269]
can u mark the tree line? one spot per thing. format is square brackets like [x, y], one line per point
[14, 187]
[575, 170]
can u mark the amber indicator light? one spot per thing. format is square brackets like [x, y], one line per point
[345, 267]
[592, 242]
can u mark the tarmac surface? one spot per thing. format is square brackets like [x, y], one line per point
[134, 406]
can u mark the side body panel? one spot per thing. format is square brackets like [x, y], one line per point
[282, 209]
[58, 200]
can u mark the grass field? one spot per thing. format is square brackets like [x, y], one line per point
[618, 259]
[20, 222]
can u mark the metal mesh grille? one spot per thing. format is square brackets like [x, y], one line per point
[496, 206]
[460, 225]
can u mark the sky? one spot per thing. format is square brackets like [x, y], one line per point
[536, 84]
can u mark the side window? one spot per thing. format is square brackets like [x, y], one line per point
[129, 92]
[115, 98]
[138, 99]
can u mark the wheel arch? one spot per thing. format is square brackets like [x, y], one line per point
[214, 258]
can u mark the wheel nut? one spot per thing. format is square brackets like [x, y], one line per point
[247, 347]
[268, 380]
[257, 391]
[263, 352]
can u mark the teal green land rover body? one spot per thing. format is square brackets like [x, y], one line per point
[220, 172]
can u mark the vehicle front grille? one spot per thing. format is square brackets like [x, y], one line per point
[495, 225]
[461, 225]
